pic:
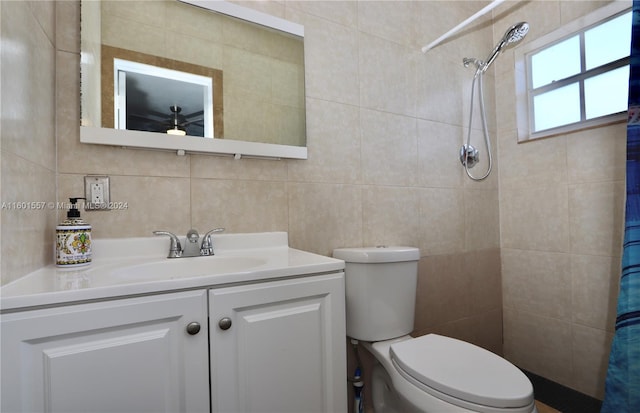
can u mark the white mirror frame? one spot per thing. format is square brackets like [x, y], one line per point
[192, 144]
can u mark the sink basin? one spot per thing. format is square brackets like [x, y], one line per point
[177, 268]
[131, 266]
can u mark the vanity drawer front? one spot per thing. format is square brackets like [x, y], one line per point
[129, 355]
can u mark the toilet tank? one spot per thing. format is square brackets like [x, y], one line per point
[380, 291]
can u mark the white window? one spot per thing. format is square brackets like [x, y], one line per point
[576, 77]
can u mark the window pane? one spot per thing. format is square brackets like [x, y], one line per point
[608, 42]
[556, 108]
[555, 63]
[607, 93]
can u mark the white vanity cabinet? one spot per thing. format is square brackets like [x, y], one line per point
[268, 346]
[125, 355]
[279, 346]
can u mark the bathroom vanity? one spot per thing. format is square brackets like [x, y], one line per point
[259, 327]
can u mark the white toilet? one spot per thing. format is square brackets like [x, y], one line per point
[427, 374]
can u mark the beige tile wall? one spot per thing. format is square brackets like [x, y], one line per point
[561, 219]
[28, 148]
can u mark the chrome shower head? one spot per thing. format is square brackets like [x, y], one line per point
[515, 34]
[512, 37]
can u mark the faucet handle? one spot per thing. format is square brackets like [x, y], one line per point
[207, 244]
[175, 249]
[192, 235]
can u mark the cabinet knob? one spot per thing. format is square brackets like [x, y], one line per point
[224, 323]
[193, 328]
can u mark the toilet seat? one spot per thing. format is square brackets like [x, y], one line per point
[462, 371]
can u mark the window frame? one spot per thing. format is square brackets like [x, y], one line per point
[525, 92]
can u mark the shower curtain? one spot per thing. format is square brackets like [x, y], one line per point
[622, 388]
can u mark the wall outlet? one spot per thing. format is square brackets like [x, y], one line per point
[96, 192]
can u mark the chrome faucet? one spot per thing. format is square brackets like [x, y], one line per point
[191, 248]
[207, 244]
[191, 244]
[175, 249]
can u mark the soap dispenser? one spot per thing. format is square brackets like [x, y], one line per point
[73, 239]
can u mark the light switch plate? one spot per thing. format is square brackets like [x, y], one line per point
[96, 192]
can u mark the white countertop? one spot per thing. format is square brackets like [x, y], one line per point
[112, 272]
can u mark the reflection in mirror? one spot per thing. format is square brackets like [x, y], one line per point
[171, 68]
[149, 93]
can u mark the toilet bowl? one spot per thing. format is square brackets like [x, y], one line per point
[434, 373]
[430, 373]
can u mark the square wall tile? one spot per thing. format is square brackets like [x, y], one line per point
[594, 293]
[570, 11]
[598, 154]
[482, 219]
[29, 217]
[68, 110]
[596, 218]
[443, 291]
[331, 69]
[459, 296]
[323, 217]
[386, 216]
[537, 282]
[387, 76]
[539, 344]
[484, 281]
[333, 144]
[541, 162]
[506, 114]
[442, 225]
[28, 81]
[68, 26]
[443, 89]
[483, 330]
[591, 348]
[535, 218]
[389, 148]
[44, 12]
[438, 151]
[389, 20]
[238, 206]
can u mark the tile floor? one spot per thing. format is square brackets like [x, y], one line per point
[543, 408]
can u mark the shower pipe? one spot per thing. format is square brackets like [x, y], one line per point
[481, 12]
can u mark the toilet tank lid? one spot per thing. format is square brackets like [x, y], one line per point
[377, 254]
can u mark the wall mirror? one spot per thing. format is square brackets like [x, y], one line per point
[194, 76]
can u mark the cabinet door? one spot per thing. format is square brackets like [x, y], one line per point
[283, 351]
[128, 355]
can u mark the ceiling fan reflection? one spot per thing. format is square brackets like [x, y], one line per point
[174, 123]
